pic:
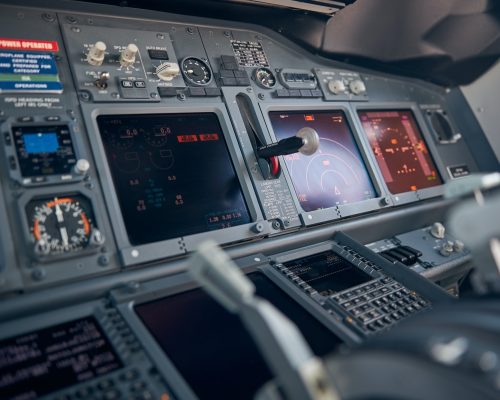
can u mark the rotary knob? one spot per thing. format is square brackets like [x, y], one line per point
[82, 166]
[167, 71]
[127, 56]
[357, 87]
[95, 55]
[446, 249]
[336, 86]
[458, 246]
[438, 230]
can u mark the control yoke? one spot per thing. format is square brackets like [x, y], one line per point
[299, 374]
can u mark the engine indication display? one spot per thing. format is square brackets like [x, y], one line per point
[336, 174]
[400, 150]
[61, 224]
[173, 175]
[44, 150]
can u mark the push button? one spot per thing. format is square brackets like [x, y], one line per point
[140, 84]
[127, 84]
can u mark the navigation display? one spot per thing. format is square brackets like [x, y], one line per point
[336, 174]
[327, 272]
[173, 175]
[400, 150]
[211, 348]
[43, 361]
[44, 150]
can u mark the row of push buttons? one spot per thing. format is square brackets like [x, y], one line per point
[107, 389]
[128, 84]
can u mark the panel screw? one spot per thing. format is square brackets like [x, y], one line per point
[154, 95]
[103, 260]
[227, 33]
[261, 96]
[160, 36]
[258, 227]
[71, 19]
[190, 30]
[115, 95]
[181, 96]
[84, 96]
[38, 274]
[385, 201]
[48, 17]
[276, 225]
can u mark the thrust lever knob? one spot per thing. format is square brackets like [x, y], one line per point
[306, 141]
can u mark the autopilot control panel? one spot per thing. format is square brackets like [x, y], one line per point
[128, 138]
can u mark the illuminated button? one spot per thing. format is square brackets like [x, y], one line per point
[139, 84]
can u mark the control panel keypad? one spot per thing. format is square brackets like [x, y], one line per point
[380, 303]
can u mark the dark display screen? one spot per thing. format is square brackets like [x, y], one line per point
[44, 150]
[327, 272]
[210, 347]
[400, 150]
[173, 175]
[41, 362]
[336, 173]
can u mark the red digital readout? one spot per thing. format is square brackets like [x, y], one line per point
[187, 138]
[400, 150]
[206, 137]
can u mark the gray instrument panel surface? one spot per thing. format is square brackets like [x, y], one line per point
[180, 37]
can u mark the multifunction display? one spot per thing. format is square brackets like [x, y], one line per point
[44, 150]
[212, 349]
[172, 174]
[43, 361]
[327, 272]
[400, 150]
[336, 174]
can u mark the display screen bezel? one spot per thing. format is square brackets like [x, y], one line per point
[132, 255]
[44, 320]
[343, 210]
[170, 286]
[42, 180]
[420, 194]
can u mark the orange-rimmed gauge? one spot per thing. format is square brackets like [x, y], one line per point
[61, 224]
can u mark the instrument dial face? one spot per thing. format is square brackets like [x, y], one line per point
[63, 224]
[196, 71]
[265, 78]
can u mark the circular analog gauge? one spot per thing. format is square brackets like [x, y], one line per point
[196, 71]
[265, 78]
[61, 224]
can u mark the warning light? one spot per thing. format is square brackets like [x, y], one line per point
[394, 141]
[309, 117]
[187, 138]
[413, 187]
